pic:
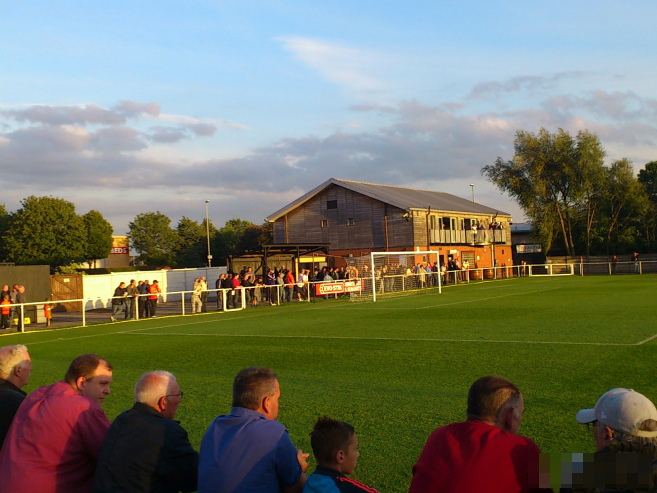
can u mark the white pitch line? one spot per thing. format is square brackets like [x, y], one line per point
[397, 339]
[646, 340]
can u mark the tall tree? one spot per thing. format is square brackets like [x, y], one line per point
[99, 236]
[46, 230]
[625, 201]
[551, 176]
[648, 178]
[151, 235]
[193, 250]
[228, 238]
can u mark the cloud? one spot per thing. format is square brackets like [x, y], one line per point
[66, 115]
[494, 89]
[131, 109]
[339, 64]
[619, 106]
[167, 135]
[203, 129]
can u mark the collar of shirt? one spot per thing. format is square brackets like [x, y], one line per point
[328, 471]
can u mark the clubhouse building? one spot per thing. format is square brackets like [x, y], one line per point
[355, 218]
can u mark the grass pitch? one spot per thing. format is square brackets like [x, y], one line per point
[395, 369]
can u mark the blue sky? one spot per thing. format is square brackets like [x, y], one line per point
[130, 107]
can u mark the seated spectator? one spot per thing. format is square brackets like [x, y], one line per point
[335, 447]
[247, 450]
[625, 436]
[15, 368]
[53, 442]
[145, 450]
[484, 453]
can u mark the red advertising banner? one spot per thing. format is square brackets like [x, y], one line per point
[339, 287]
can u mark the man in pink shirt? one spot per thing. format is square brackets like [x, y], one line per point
[483, 453]
[53, 442]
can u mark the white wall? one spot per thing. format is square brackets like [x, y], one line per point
[101, 287]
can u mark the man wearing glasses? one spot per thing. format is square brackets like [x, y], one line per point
[145, 449]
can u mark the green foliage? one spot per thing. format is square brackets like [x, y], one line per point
[70, 270]
[99, 236]
[391, 370]
[648, 178]
[193, 251]
[228, 238]
[151, 235]
[564, 188]
[46, 230]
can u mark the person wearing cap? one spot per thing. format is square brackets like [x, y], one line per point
[623, 421]
[483, 453]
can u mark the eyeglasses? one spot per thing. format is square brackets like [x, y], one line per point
[179, 395]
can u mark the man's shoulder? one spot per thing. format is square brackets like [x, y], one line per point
[470, 429]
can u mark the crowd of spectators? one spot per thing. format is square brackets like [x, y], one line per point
[58, 439]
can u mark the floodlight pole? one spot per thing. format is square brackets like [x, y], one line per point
[207, 232]
[472, 186]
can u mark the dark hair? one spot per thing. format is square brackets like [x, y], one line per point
[328, 437]
[85, 366]
[253, 384]
[489, 394]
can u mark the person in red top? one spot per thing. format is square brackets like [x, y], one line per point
[154, 290]
[55, 438]
[47, 312]
[236, 291]
[484, 453]
[289, 284]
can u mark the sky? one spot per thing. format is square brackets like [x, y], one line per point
[143, 106]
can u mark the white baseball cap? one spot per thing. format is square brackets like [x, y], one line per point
[622, 410]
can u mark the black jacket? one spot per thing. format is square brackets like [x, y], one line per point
[10, 399]
[145, 452]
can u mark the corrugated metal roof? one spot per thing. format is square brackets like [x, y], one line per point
[402, 197]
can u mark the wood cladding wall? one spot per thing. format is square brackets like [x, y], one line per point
[352, 221]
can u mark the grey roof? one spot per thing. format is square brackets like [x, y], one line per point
[402, 197]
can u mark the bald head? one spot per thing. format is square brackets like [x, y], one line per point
[15, 364]
[159, 390]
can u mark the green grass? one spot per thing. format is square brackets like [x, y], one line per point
[395, 369]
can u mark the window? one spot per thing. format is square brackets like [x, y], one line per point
[331, 204]
[324, 223]
[350, 221]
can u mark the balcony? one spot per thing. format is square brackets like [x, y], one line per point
[470, 237]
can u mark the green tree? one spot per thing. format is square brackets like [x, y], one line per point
[553, 178]
[193, 250]
[99, 236]
[46, 230]
[625, 201]
[151, 235]
[4, 225]
[228, 238]
[255, 235]
[648, 178]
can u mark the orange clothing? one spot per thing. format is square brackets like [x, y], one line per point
[154, 289]
[6, 310]
[47, 311]
[289, 278]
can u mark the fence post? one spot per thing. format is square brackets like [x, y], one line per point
[84, 313]
[182, 298]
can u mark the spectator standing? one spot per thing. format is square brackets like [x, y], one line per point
[197, 292]
[20, 310]
[228, 288]
[280, 284]
[5, 305]
[204, 294]
[145, 450]
[47, 312]
[15, 368]
[218, 285]
[53, 442]
[132, 295]
[484, 453]
[154, 291]
[289, 285]
[144, 307]
[118, 300]
[247, 450]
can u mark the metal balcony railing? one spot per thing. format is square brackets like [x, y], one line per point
[476, 237]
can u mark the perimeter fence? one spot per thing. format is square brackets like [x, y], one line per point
[103, 309]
